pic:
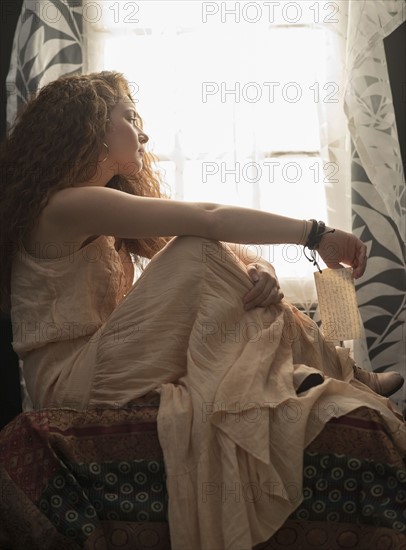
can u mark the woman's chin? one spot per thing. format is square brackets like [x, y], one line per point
[132, 168]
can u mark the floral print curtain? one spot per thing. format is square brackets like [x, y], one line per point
[48, 42]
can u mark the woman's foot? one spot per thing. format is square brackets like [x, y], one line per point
[382, 383]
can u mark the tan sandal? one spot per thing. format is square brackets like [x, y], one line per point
[382, 383]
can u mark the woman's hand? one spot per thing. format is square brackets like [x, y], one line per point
[266, 290]
[344, 247]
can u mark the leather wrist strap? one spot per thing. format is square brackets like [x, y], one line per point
[313, 240]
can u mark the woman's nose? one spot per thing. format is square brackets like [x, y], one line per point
[143, 138]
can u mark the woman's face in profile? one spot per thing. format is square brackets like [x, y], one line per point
[125, 139]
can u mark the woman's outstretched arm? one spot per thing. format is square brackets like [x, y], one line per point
[98, 210]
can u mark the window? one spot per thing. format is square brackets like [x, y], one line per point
[233, 109]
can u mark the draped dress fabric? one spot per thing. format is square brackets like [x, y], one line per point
[230, 423]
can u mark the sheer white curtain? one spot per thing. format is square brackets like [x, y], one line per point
[235, 97]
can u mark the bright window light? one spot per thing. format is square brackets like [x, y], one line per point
[231, 110]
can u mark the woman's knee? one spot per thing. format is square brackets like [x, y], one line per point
[191, 253]
[200, 247]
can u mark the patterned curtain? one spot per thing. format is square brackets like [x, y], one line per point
[378, 183]
[48, 43]
[370, 177]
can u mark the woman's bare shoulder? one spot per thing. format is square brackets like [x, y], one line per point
[49, 239]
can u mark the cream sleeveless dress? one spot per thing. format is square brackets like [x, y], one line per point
[229, 416]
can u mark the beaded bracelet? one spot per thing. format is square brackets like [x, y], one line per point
[313, 240]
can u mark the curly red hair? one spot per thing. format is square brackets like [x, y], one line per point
[33, 168]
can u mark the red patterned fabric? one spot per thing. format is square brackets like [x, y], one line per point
[37, 448]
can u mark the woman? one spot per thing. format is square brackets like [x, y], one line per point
[78, 197]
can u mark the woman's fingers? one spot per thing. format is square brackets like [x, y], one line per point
[361, 261]
[269, 294]
[274, 298]
[255, 296]
[340, 248]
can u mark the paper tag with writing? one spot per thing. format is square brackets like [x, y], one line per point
[338, 304]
